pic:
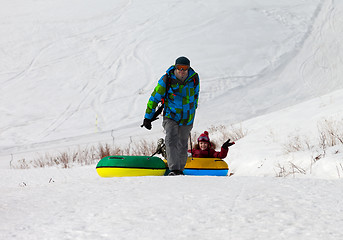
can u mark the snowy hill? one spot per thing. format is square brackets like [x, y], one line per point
[75, 73]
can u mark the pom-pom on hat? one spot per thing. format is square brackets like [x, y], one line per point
[204, 137]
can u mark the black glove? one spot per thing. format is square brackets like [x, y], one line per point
[227, 144]
[147, 124]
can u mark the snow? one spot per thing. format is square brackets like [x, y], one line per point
[76, 73]
[77, 204]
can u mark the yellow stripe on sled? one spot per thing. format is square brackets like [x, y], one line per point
[206, 163]
[128, 172]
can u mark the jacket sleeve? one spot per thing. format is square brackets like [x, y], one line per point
[156, 97]
[196, 92]
[222, 154]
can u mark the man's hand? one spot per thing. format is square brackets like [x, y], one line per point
[147, 124]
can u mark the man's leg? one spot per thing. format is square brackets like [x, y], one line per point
[172, 128]
[183, 144]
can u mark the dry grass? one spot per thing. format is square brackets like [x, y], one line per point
[91, 155]
[86, 156]
[107, 150]
[297, 143]
[330, 134]
[289, 170]
[234, 132]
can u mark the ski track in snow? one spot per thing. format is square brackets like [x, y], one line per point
[113, 43]
[92, 89]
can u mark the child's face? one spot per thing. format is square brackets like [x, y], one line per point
[203, 145]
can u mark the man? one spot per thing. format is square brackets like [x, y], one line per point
[178, 89]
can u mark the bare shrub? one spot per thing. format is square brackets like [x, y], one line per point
[296, 144]
[85, 156]
[91, 155]
[105, 151]
[63, 159]
[289, 169]
[331, 132]
[20, 164]
[235, 132]
[40, 162]
[322, 142]
[296, 169]
[143, 148]
[281, 171]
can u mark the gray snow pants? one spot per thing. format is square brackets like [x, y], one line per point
[176, 143]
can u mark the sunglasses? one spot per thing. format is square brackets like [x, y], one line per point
[182, 67]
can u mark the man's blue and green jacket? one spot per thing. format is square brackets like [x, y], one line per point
[181, 100]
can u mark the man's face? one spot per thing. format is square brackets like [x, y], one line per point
[181, 72]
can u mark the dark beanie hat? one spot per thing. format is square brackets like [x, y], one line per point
[182, 61]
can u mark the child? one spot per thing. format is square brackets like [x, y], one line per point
[205, 149]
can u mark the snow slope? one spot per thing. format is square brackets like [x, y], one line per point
[77, 204]
[97, 63]
[79, 73]
[76, 73]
